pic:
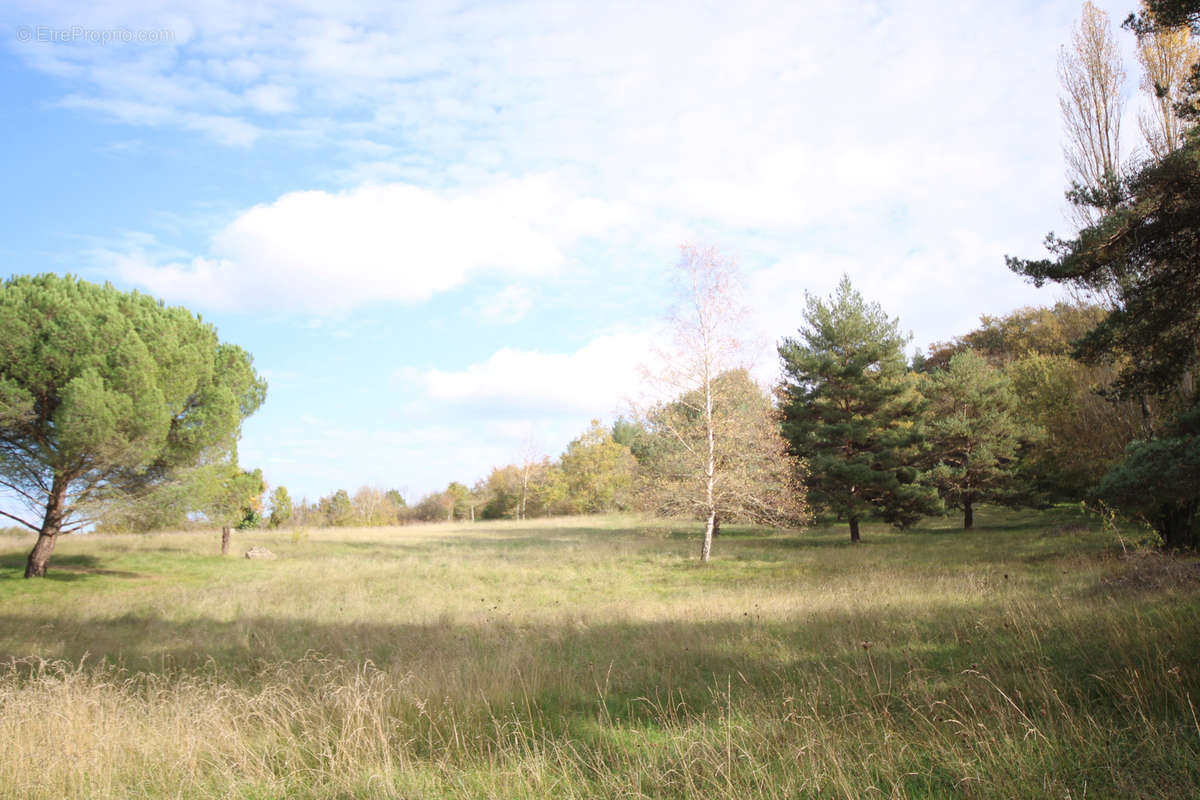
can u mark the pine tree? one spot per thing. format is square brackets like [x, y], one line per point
[851, 411]
[974, 434]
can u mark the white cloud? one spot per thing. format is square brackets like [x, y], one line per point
[272, 98]
[599, 379]
[507, 306]
[321, 251]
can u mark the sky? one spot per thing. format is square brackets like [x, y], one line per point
[445, 230]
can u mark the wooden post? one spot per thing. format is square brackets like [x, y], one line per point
[225, 541]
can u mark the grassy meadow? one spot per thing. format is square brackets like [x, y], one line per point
[596, 658]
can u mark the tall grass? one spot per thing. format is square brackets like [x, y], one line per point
[596, 658]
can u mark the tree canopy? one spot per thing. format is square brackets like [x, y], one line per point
[852, 412]
[1145, 253]
[105, 395]
[974, 434]
[755, 478]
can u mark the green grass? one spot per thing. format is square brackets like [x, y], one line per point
[595, 657]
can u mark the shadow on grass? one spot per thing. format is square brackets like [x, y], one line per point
[563, 662]
[63, 568]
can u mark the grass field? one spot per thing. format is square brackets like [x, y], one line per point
[595, 657]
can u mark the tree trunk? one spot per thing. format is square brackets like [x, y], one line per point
[716, 526]
[706, 548]
[524, 492]
[225, 541]
[968, 513]
[854, 529]
[39, 557]
[1177, 528]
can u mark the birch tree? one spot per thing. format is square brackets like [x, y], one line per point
[719, 455]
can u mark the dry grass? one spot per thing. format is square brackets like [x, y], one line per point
[596, 658]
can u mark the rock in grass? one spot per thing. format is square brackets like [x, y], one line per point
[260, 552]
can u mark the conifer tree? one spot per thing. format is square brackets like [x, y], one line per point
[851, 411]
[974, 434]
[106, 396]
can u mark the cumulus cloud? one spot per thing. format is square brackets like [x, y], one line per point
[599, 379]
[320, 251]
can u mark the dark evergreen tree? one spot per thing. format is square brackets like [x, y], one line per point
[851, 411]
[974, 435]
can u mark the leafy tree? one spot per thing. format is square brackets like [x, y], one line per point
[1085, 433]
[1004, 339]
[598, 473]
[851, 411]
[1159, 15]
[105, 396]
[501, 493]
[234, 496]
[374, 506]
[336, 509]
[706, 341]
[281, 507]
[974, 434]
[549, 494]
[430, 508]
[1146, 253]
[755, 479]
[458, 501]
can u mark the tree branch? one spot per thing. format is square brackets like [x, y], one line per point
[33, 528]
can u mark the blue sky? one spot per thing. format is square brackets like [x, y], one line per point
[444, 229]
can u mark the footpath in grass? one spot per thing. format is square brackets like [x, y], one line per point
[1036, 656]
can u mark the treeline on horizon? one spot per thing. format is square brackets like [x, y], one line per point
[1039, 425]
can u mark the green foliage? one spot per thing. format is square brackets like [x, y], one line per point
[107, 395]
[1145, 253]
[851, 411]
[974, 434]
[598, 472]
[1085, 429]
[1159, 481]
[502, 493]
[430, 508]
[336, 509]
[233, 496]
[1027, 331]
[1085, 432]
[458, 501]
[281, 507]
